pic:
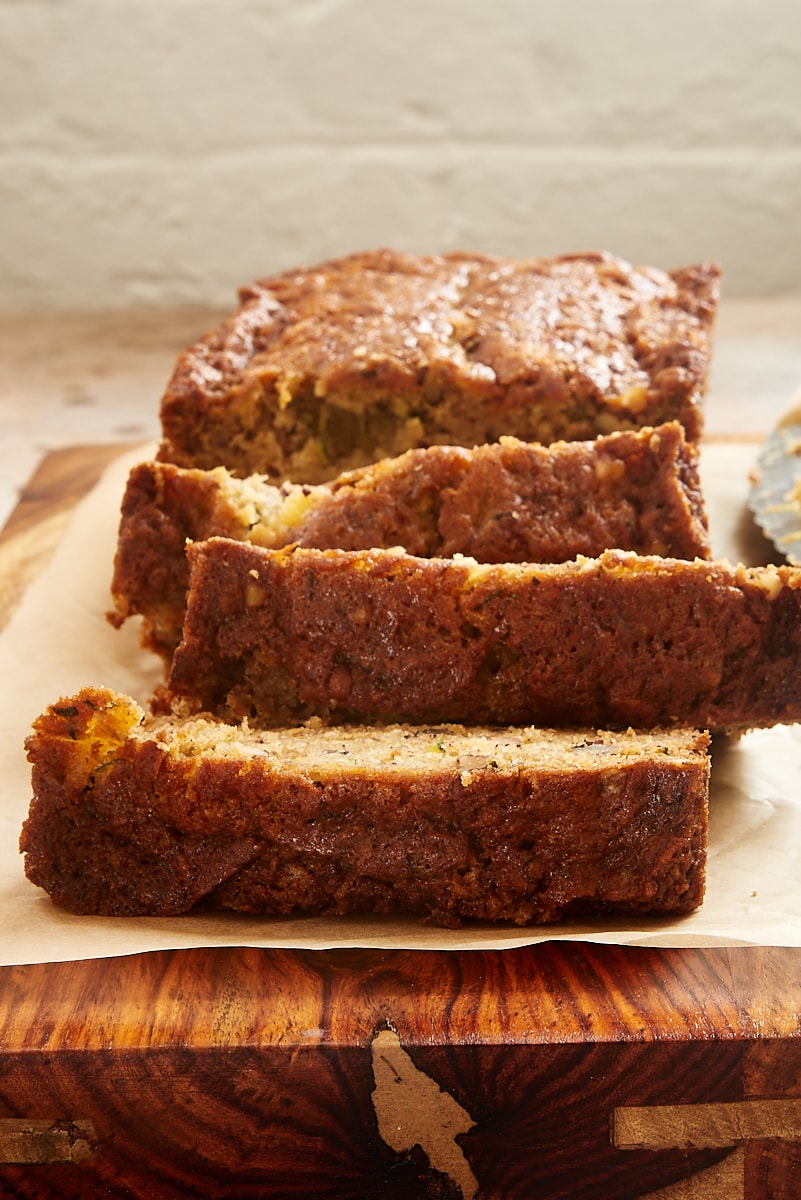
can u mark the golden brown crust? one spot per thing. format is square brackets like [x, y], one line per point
[615, 641]
[523, 826]
[510, 501]
[366, 356]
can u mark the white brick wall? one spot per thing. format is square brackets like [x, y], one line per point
[165, 151]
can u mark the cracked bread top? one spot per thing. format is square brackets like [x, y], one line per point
[329, 368]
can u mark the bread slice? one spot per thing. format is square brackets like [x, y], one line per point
[134, 815]
[508, 501]
[278, 635]
[364, 357]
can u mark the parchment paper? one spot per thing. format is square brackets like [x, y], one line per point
[59, 640]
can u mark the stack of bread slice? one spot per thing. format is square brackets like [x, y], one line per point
[426, 557]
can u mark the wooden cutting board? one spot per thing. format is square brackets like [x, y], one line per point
[563, 1070]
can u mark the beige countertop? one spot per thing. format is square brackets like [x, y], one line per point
[92, 378]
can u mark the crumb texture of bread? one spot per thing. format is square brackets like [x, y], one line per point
[509, 501]
[146, 815]
[621, 640]
[364, 357]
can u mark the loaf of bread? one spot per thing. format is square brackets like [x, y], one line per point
[364, 357]
[508, 501]
[621, 640]
[135, 815]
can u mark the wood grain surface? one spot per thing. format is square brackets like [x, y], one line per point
[36, 525]
[563, 1070]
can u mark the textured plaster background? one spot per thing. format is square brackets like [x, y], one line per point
[161, 152]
